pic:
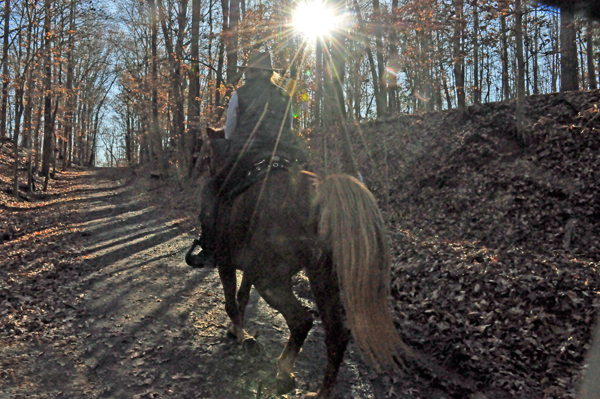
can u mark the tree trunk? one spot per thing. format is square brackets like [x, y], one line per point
[459, 68]
[536, 38]
[28, 131]
[380, 83]
[5, 77]
[520, 71]
[175, 57]
[221, 60]
[48, 126]
[379, 100]
[36, 141]
[568, 50]
[338, 76]
[393, 51]
[155, 139]
[178, 80]
[476, 84]
[18, 113]
[591, 67]
[69, 101]
[232, 44]
[556, 55]
[504, 49]
[319, 78]
[520, 58]
[195, 136]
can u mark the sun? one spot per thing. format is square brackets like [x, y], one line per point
[314, 19]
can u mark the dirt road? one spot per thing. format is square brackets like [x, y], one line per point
[136, 322]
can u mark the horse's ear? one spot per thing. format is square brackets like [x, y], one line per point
[214, 134]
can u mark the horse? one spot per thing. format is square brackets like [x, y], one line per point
[290, 220]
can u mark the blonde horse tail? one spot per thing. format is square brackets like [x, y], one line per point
[351, 225]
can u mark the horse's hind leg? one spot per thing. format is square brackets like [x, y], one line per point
[299, 320]
[325, 287]
[243, 295]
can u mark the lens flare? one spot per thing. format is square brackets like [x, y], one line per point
[314, 19]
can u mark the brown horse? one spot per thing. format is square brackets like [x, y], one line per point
[290, 221]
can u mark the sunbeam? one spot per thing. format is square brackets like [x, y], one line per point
[314, 19]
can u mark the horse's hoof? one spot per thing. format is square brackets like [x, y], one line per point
[285, 384]
[251, 346]
[232, 333]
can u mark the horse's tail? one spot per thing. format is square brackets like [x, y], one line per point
[351, 224]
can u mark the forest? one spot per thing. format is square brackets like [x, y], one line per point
[131, 82]
[473, 122]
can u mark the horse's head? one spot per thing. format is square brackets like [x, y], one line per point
[218, 149]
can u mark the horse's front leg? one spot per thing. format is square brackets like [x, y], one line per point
[229, 281]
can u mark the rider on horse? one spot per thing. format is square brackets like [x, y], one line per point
[259, 121]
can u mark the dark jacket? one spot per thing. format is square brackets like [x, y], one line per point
[265, 110]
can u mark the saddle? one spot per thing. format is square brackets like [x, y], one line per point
[254, 170]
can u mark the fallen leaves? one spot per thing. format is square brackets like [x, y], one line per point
[495, 238]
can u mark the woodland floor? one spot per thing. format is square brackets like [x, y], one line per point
[97, 302]
[495, 271]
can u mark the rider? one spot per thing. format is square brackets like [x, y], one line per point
[259, 120]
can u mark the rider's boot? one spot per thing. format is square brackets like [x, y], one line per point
[207, 239]
[207, 243]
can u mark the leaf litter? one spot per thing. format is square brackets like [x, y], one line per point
[495, 269]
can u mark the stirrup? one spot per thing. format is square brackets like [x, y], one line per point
[200, 260]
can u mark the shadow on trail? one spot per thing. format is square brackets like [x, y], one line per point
[145, 325]
[85, 191]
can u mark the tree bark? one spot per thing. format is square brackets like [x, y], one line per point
[5, 76]
[520, 71]
[504, 49]
[223, 43]
[155, 139]
[319, 81]
[459, 67]
[175, 57]
[48, 125]
[71, 96]
[379, 101]
[591, 67]
[393, 51]
[519, 55]
[476, 84]
[194, 134]
[536, 36]
[568, 50]
[382, 87]
[232, 44]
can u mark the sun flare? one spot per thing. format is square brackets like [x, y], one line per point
[313, 19]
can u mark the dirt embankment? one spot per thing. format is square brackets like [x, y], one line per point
[495, 233]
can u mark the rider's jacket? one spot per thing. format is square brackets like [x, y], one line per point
[264, 110]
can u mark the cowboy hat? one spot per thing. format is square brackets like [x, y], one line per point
[260, 60]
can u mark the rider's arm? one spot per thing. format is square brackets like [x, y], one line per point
[231, 121]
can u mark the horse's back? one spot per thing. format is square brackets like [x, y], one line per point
[270, 222]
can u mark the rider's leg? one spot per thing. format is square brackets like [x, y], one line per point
[208, 212]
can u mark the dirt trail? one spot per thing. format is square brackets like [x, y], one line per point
[139, 323]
